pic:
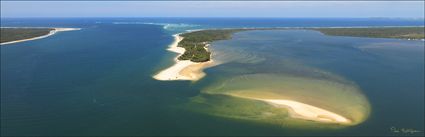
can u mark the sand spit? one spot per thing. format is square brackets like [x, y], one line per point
[52, 32]
[182, 69]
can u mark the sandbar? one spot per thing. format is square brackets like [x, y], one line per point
[304, 111]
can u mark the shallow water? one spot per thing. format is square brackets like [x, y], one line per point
[98, 81]
[259, 68]
[336, 73]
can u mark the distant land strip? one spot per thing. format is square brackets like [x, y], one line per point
[409, 33]
[11, 35]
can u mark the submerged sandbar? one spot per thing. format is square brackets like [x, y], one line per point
[330, 100]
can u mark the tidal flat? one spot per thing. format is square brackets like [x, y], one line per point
[266, 67]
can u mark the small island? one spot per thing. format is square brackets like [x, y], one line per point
[15, 35]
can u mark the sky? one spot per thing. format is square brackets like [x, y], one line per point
[290, 9]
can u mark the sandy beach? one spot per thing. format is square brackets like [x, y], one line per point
[304, 111]
[182, 69]
[52, 32]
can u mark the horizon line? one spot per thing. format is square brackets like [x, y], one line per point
[228, 17]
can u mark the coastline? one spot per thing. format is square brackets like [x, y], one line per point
[52, 32]
[182, 69]
[304, 111]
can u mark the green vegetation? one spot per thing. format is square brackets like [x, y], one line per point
[13, 34]
[195, 42]
[387, 32]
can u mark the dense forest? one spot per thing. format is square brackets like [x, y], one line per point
[195, 42]
[13, 34]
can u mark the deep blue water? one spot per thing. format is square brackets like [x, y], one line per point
[97, 81]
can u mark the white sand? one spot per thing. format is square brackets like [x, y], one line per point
[182, 69]
[187, 70]
[308, 112]
[304, 111]
[52, 32]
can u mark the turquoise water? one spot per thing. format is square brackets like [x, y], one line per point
[388, 72]
[98, 81]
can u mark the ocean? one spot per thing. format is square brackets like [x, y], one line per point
[98, 80]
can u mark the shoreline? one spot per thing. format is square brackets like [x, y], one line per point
[182, 69]
[304, 111]
[308, 112]
[52, 32]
